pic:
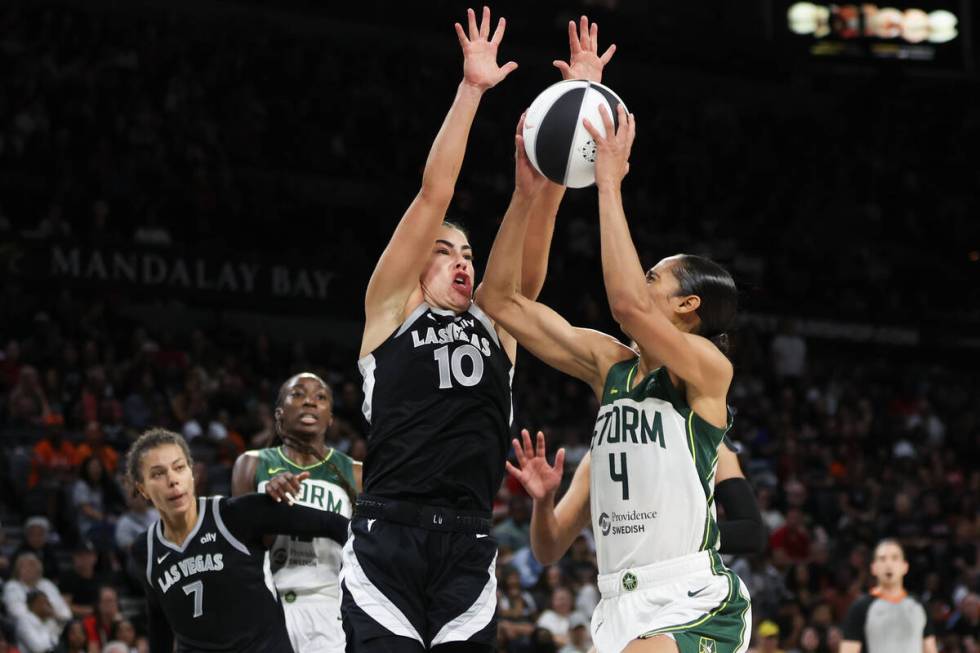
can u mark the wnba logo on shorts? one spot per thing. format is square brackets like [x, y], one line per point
[605, 523]
[707, 645]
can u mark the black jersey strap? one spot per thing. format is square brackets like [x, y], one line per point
[433, 518]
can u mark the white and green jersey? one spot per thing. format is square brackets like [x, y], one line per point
[653, 473]
[302, 566]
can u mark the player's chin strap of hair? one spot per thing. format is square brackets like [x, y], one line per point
[742, 530]
[307, 448]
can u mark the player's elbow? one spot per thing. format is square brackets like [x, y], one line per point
[629, 309]
[436, 192]
[494, 299]
[545, 553]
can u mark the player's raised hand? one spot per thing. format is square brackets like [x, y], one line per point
[537, 476]
[526, 179]
[613, 149]
[584, 61]
[286, 486]
[480, 69]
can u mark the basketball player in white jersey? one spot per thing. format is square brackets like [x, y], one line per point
[649, 479]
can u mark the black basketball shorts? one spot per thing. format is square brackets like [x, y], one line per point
[408, 588]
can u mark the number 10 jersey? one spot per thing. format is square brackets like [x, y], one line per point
[652, 475]
[437, 397]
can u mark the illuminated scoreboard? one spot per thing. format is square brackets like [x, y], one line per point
[914, 30]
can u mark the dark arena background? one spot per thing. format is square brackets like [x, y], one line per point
[193, 195]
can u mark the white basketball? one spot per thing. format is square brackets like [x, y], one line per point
[554, 138]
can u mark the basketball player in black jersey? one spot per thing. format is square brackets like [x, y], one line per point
[202, 562]
[418, 570]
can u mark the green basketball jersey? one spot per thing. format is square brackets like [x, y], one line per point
[304, 565]
[652, 476]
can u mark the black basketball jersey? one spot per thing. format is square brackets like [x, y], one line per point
[213, 591]
[437, 397]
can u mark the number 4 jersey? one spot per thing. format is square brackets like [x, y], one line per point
[437, 397]
[652, 474]
[305, 565]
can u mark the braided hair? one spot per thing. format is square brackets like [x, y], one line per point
[278, 438]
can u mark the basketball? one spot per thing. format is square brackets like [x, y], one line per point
[556, 142]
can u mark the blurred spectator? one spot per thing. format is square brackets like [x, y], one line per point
[516, 609]
[27, 577]
[100, 624]
[80, 584]
[73, 639]
[557, 619]
[123, 631]
[53, 456]
[38, 629]
[792, 538]
[579, 638]
[27, 403]
[137, 518]
[95, 445]
[788, 352]
[767, 638]
[515, 530]
[36, 532]
[965, 622]
[91, 496]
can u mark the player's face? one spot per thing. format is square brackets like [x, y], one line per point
[167, 479]
[307, 408]
[889, 565]
[447, 281]
[665, 289]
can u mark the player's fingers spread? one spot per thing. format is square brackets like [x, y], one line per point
[474, 32]
[541, 448]
[513, 471]
[573, 45]
[594, 37]
[607, 121]
[461, 35]
[508, 68]
[519, 453]
[608, 54]
[485, 23]
[498, 34]
[583, 32]
[560, 461]
[528, 449]
[593, 132]
[303, 476]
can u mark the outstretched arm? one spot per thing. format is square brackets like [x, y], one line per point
[553, 528]
[582, 353]
[396, 275]
[251, 516]
[693, 358]
[584, 62]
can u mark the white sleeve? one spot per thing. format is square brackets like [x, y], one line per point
[61, 610]
[32, 633]
[15, 599]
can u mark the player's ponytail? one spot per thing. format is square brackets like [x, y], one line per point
[697, 275]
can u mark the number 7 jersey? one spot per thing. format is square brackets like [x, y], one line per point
[652, 475]
[437, 397]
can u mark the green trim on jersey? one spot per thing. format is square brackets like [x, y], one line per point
[273, 461]
[703, 438]
[724, 627]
